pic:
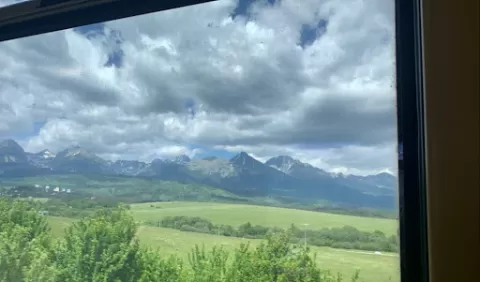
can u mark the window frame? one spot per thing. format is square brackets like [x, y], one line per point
[32, 18]
[410, 129]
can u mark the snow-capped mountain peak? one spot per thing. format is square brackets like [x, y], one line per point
[182, 159]
[284, 164]
[46, 154]
[245, 160]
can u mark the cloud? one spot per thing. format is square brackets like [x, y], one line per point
[349, 159]
[313, 79]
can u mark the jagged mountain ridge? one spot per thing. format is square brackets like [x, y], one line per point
[12, 153]
[382, 183]
[15, 162]
[242, 174]
[79, 160]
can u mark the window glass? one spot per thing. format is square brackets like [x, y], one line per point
[229, 141]
[4, 3]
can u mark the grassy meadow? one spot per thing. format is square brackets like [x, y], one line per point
[373, 267]
[237, 214]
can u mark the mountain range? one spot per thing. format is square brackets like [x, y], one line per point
[281, 176]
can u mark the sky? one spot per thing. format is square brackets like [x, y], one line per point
[311, 79]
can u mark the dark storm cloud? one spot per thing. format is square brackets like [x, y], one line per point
[87, 89]
[335, 119]
[262, 87]
[346, 121]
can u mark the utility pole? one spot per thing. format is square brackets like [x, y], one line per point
[305, 234]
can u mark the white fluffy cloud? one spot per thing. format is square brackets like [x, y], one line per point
[197, 76]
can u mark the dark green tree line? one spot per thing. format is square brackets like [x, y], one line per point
[347, 237]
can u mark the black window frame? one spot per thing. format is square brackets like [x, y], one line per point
[411, 141]
[37, 17]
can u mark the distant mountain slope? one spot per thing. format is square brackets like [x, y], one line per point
[79, 160]
[15, 162]
[12, 153]
[242, 175]
[132, 168]
[379, 184]
[41, 159]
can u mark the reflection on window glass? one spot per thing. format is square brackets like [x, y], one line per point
[4, 3]
[229, 141]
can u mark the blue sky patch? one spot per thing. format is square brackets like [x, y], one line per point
[210, 152]
[243, 6]
[115, 57]
[309, 34]
[190, 106]
[92, 30]
[34, 130]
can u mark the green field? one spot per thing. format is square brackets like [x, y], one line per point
[43, 200]
[375, 268]
[237, 214]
